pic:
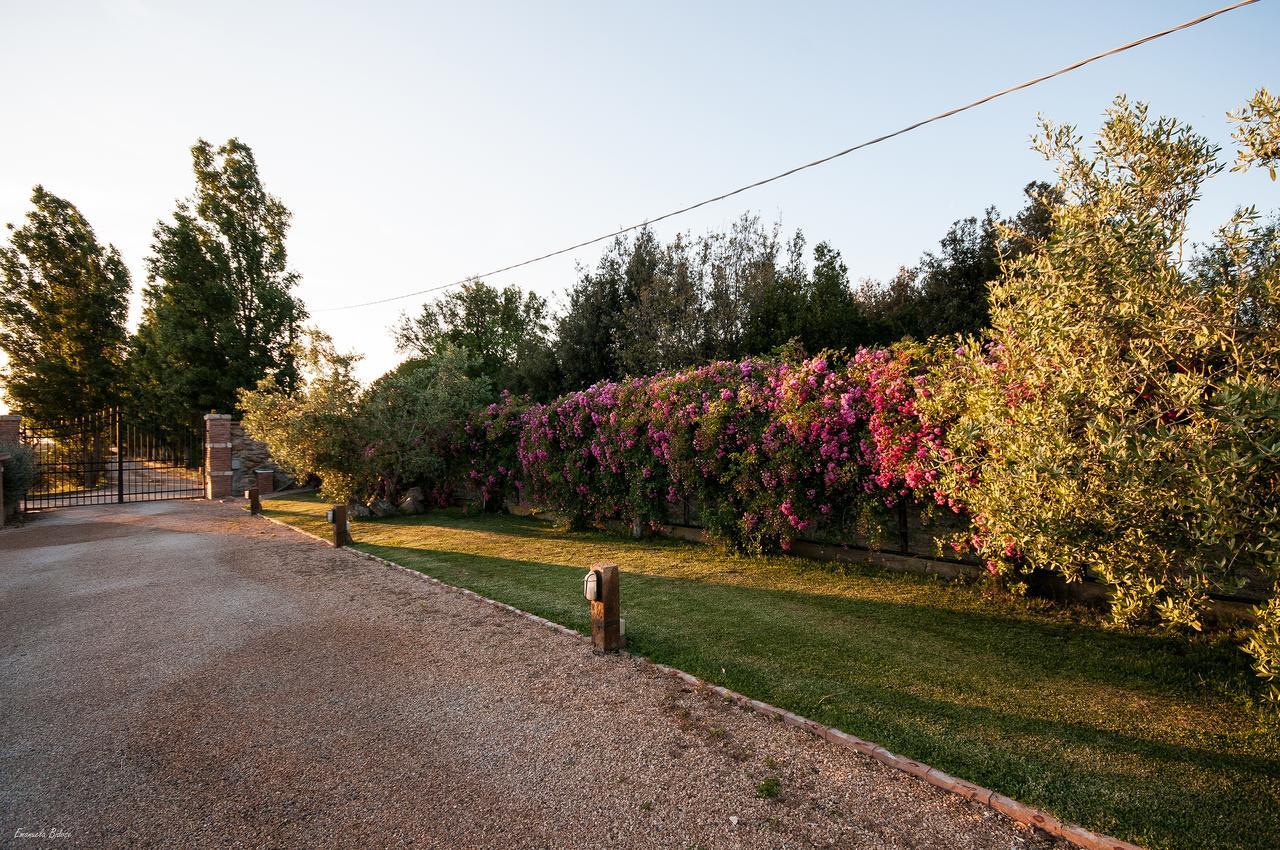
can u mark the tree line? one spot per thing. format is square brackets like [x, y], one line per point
[218, 306]
[219, 313]
[649, 306]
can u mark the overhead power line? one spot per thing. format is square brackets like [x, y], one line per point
[790, 171]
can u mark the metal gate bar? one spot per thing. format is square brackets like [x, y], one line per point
[112, 456]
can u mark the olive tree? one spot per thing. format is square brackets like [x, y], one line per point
[1122, 414]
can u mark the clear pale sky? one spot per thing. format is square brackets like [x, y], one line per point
[417, 143]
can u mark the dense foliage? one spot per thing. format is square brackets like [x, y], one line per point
[313, 429]
[410, 424]
[63, 304]
[749, 291]
[504, 333]
[19, 474]
[947, 292]
[769, 450]
[403, 431]
[218, 309]
[1122, 415]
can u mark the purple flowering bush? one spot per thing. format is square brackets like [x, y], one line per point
[770, 451]
[586, 455]
[491, 462]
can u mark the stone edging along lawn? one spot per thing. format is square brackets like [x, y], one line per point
[1024, 814]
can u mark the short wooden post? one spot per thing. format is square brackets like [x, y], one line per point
[255, 504]
[340, 536]
[606, 623]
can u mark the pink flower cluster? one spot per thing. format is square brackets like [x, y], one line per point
[768, 451]
[491, 463]
[587, 455]
[901, 446]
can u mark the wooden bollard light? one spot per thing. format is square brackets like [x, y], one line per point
[600, 587]
[255, 506]
[337, 515]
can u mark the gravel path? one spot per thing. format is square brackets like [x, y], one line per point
[181, 674]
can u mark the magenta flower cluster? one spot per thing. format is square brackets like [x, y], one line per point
[490, 462]
[768, 451]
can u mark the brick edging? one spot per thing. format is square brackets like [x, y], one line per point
[1020, 812]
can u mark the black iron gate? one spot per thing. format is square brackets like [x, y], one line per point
[113, 457]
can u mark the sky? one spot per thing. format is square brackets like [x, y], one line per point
[419, 143]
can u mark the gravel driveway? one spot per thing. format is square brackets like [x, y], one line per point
[181, 674]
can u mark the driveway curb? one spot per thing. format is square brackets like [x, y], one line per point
[1020, 812]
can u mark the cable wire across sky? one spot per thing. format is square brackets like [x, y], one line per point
[758, 183]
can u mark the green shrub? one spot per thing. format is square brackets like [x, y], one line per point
[1264, 645]
[407, 429]
[768, 789]
[1122, 415]
[314, 429]
[19, 473]
[413, 423]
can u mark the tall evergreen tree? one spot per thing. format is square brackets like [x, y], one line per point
[740, 270]
[588, 332]
[641, 325]
[952, 284]
[773, 300]
[219, 313]
[892, 308]
[662, 323]
[947, 292]
[832, 316]
[64, 299]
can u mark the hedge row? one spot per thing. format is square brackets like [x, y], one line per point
[769, 450]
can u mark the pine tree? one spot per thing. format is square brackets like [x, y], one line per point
[588, 333]
[833, 317]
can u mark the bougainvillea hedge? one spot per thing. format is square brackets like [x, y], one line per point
[771, 451]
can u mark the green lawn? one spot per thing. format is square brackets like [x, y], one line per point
[1140, 736]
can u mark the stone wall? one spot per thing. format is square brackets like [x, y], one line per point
[247, 455]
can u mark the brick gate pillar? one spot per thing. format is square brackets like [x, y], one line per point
[10, 427]
[217, 455]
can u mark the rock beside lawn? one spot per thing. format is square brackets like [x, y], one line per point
[414, 501]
